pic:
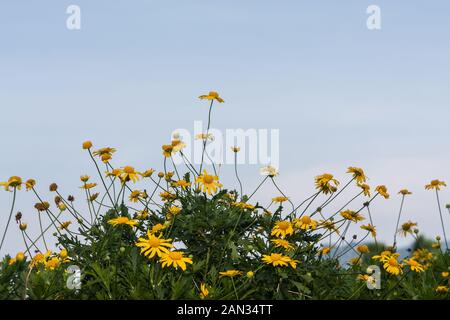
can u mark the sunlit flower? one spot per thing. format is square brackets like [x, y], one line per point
[157, 228]
[88, 186]
[277, 259]
[122, 220]
[52, 263]
[212, 95]
[383, 256]
[382, 190]
[281, 243]
[243, 205]
[181, 183]
[358, 174]
[414, 265]
[305, 223]
[282, 229]
[14, 182]
[442, 289]
[407, 228]
[178, 145]
[352, 216]
[280, 199]
[370, 228]
[326, 183]
[114, 173]
[87, 145]
[175, 259]
[444, 274]
[104, 151]
[324, 250]
[230, 273]
[435, 184]
[174, 210]
[209, 183]
[167, 150]
[154, 246]
[391, 265]
[129, 174]
[269, 170]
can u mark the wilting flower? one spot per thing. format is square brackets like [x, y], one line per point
[382, 190]
[122, 220]
[269, 170]
[29, 184]
[14, 182]
[326, 183]
[167, 196]
[42, 206]
[277, 259]
[147, 173]
[212, 95]
[305, 223]
[281, 243]
[352, 216]
[404, 192]
[230, 273]
[154, 246]
[435, 184]
[358, 174]
[282, 229]
[136, 195]
[370, 228]
[235, 149]
[167, 150]
[208, 182]
[104, 151]
[407, 228]
[365, 188]
[88, 186]
[175, 259]
[65, 225]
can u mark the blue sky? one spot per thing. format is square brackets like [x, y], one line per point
[339, 93]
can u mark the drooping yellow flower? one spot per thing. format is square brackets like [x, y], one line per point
[280, 199]
[230, 273]
[358, 174]
[14, 182]
[305, 223]
[122, 220]
[363, 248]
[212, 95]
[42, 206]
[352, 215]
[435, 184]
[407, 228]
[129, 174]
[282, 229]
[209, 183]
[370, 228]
[116, 173]
[204, 292]
[136, 195]
[326, 183]
[382, 190]
[277, 259]
[281, 243]
[29, 184]
[365, 189]
[404, 192]
[141, 215]
[154, 246]
[181, 184]
[167, 150]
[414, 265]
[84, 178]
[329, 225]
[178, 145]
[175, 259]
[65, 225]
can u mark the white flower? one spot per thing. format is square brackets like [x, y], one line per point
[269, 171]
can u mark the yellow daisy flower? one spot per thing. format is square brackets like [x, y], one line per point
[358, 174]
[212, 95]
[208, 182]
[154, 246]
[277, 259]
[435, 184]
[305, 223]
[382, 190]
[121, 221]
[326, 183]
[230, 273]
[175, 259]
[282, 229]
[281, 243]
